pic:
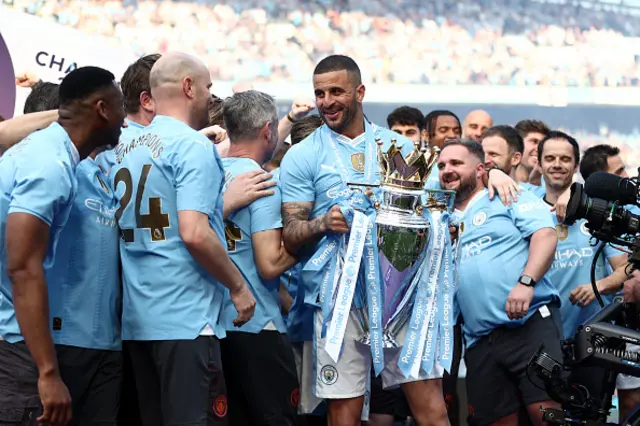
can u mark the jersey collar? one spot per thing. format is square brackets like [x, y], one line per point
[75, 155]
[474, 200]
[347, 140]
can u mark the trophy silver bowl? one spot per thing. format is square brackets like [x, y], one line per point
[403, 232]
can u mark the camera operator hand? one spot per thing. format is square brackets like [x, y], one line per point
[631, 288]
[582, 295]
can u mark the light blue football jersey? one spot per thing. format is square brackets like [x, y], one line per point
[107, 159]
[167, 168]
[37, 177]
[494, 253]
[308, 173]
[261, 215]
[85, 296]
[299, 319]
[538, 191]
[571, 268]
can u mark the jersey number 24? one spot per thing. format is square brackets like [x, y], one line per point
[155, 221]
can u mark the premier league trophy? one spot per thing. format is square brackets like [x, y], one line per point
[395, 269]
[415, 263]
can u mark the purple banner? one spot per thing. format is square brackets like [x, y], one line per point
[7, 82]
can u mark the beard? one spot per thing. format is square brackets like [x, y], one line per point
[348, 114]
[468, 184]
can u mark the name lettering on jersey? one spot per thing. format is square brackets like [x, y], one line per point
[148, 140]
[474, 248]
[105, 216]
[571, 257]
[531, 206]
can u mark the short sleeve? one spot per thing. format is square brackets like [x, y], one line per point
[198, 176]
[265, 213]
[296, 176]
[610, 252]
[41, 189]
[531, 214]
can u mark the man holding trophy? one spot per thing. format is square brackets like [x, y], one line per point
[355, 211]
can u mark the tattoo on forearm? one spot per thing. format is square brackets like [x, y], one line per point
[297, 228]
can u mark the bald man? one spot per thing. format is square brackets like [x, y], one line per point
[475, 124]
[174, 262]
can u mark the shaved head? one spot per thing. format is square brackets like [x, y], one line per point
[180, 85]
[475, 124]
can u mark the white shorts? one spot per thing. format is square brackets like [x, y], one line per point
[350, 376]
[309, 402]
[625, 381]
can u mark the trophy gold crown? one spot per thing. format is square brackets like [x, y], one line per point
[410, 172]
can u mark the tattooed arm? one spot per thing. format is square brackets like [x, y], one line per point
[299, 231]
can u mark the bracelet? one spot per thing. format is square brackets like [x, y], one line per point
[290, 118]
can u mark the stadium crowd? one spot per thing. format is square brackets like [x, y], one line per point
[501, 42]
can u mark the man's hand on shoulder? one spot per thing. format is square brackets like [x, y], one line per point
[244, 189]
[499, 182]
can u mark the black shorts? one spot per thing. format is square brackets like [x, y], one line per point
[180, 382]
[450, 381]
[262, 382]
[19, 399]
[391, 402]
[93, 379]
[129, 412]
[497, 381]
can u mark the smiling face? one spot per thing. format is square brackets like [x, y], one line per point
[338, 98]
[446, 127]
[498, 154]
[530, 154]
[558, 164]
[460, 171]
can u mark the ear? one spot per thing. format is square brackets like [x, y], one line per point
[188, 87]
[480, 169]
[266, 131]
[101, 109]
[360, 93]
[146, 101]
[516, 158]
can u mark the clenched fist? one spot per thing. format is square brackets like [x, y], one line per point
[333, 221]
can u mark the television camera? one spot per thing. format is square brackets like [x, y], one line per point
[601, 340]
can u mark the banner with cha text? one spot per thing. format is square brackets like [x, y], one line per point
[46, 50]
